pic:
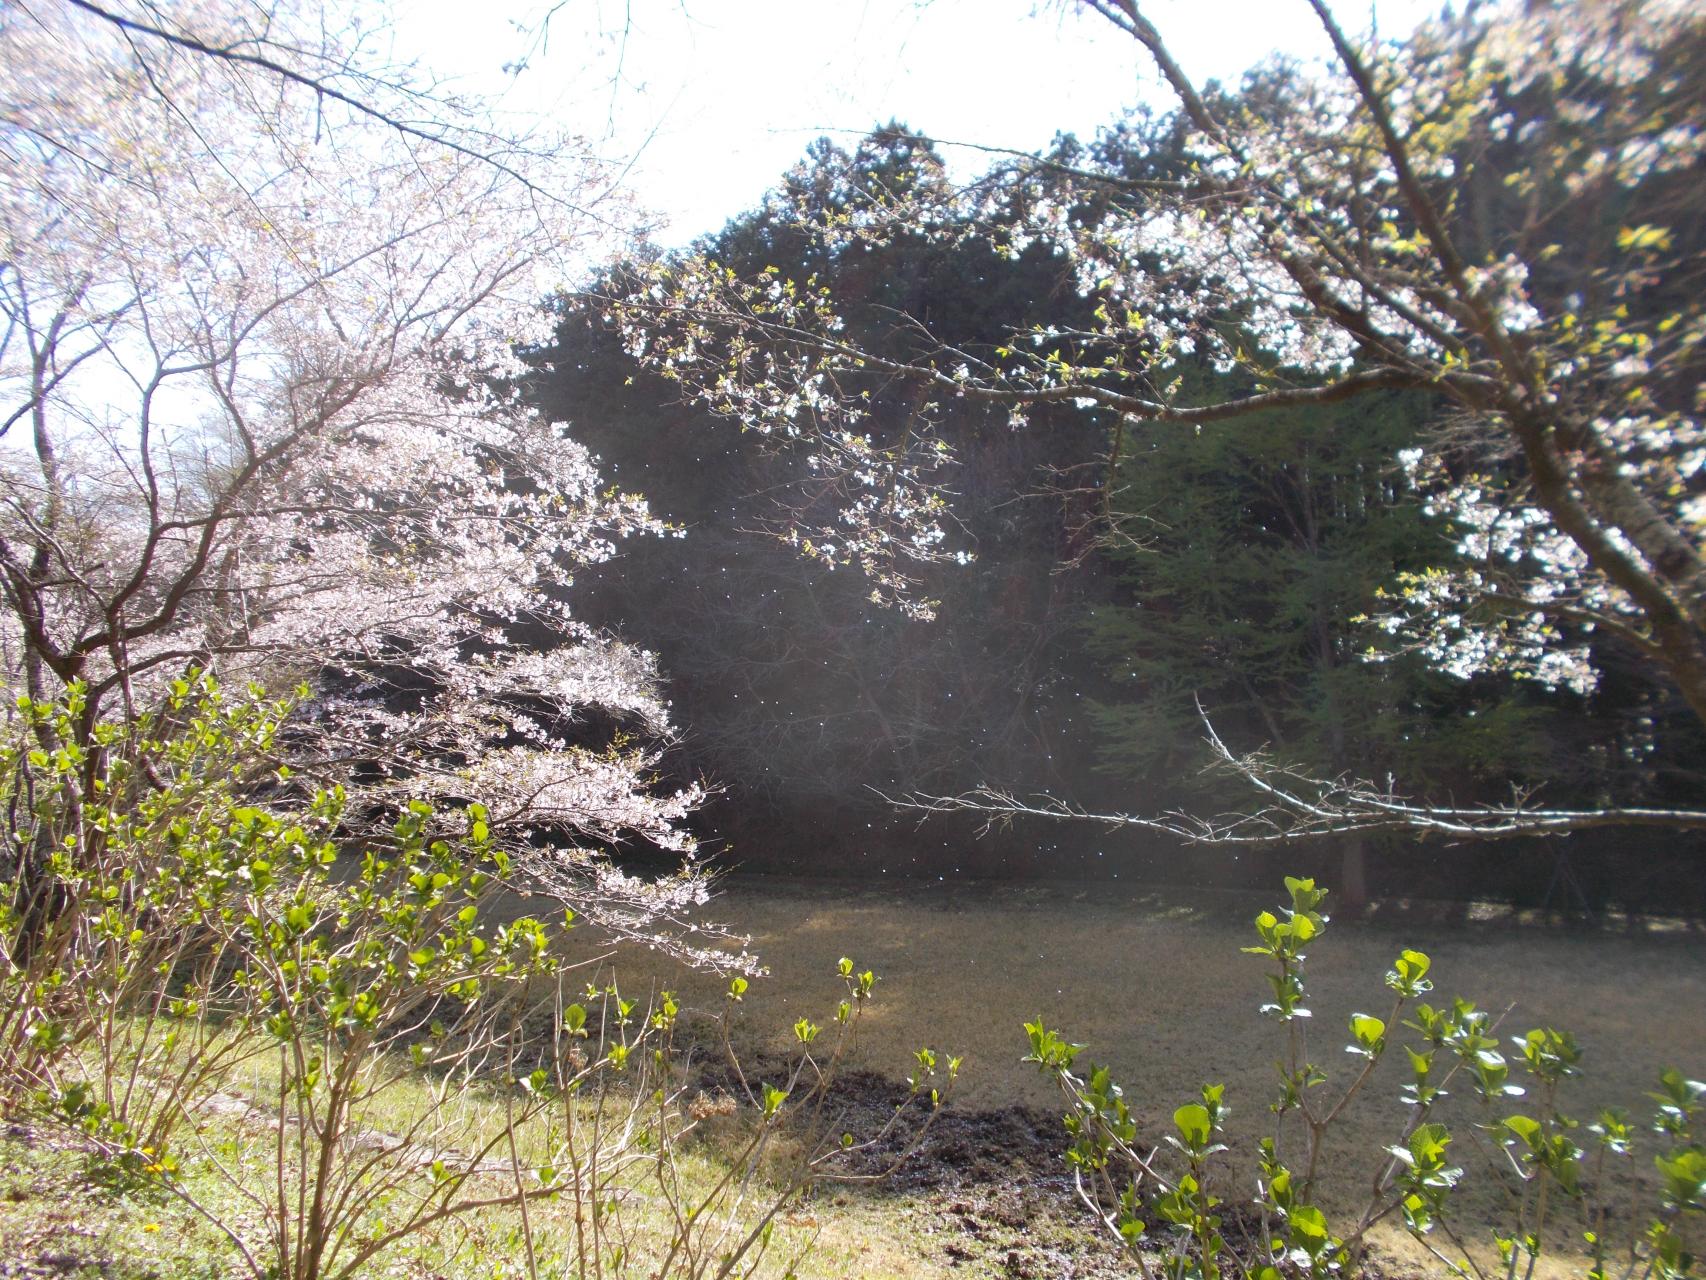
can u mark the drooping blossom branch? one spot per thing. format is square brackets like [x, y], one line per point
[263, 302]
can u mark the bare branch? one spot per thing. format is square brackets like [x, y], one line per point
[1297, 806]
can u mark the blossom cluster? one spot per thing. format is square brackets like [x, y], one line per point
[263, 304]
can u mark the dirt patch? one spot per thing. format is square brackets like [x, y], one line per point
[999, 1194]
[989, 1189]
[986, 1188]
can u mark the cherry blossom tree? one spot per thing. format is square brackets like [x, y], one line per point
[1498, 210]
[263, 296]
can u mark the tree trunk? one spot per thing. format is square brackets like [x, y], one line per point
[1353, 874]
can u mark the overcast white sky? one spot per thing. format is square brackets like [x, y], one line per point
[718, 97]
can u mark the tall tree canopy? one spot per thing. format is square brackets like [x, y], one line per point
[1492, 211]
[800, 697]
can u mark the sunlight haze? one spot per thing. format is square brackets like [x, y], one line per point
[715, 98]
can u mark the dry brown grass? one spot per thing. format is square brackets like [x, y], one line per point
[1159, 991]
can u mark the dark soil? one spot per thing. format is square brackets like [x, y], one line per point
[990, 1187]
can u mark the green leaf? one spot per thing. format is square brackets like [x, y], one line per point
[1645, 237]
[1194, 1125]
[1307, 1227]
[1408, 975]
[1525, 1128]
[1370, 1032]
[1305, 897]
[1684, 1173]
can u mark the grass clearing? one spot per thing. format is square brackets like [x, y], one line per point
[1155, 986]
[65, 1214]
[1159, 989]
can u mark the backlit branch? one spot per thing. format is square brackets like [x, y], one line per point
[1295, 805]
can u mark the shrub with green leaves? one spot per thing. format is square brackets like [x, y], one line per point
[1167, 1200]
[115, 868]
[328, 1051]
[168, 932]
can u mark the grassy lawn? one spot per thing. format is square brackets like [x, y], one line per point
[64, 1213]
[1156, 987]
[1159, 990]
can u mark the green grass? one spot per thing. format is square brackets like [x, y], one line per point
[64, 1211]
[1157, 989]
[63, 1214]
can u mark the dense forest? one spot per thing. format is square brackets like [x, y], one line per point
[1112, 580]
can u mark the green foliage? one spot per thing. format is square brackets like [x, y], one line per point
[1533, 1152]
[1252, 553]
[791, 681]
[186, 936]
[123, 861]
